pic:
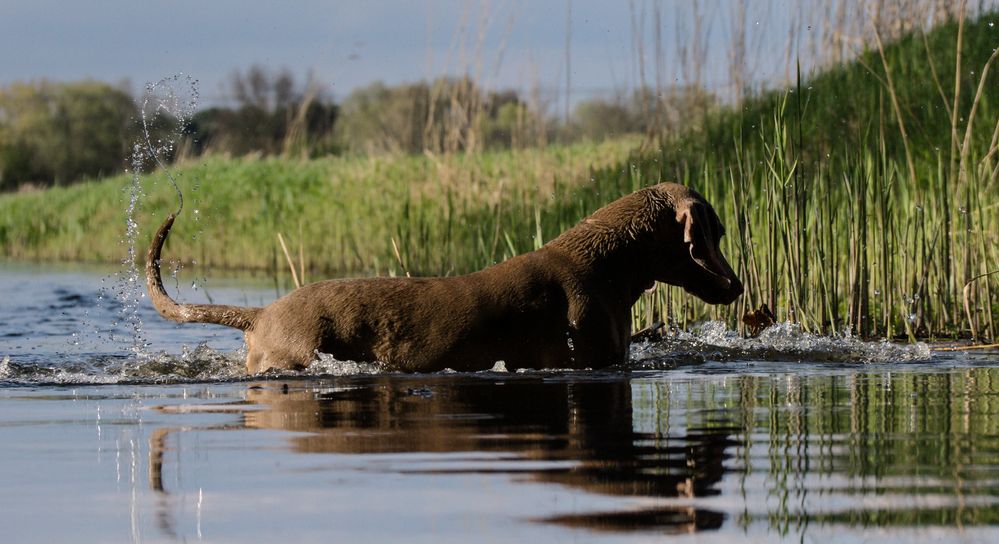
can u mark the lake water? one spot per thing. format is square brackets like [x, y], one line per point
[703, 437]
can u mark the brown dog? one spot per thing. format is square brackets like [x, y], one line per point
[566, 305]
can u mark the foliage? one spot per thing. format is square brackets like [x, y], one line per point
[446, 214]
[60, 132]
[667, 112]
[849, 106]
[272, 116]
[446, 115]
[842, 220]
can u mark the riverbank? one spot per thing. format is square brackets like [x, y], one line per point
[838, 216]
[339, 213]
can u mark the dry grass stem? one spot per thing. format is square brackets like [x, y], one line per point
[291, 265]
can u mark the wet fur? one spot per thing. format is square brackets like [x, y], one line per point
[565, 305]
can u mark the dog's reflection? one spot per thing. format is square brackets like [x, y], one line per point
[581, 432]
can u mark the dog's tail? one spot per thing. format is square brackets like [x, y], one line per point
[232, 316]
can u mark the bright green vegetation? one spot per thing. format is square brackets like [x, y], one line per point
[832, 222]
[353, 215]
[835, 218]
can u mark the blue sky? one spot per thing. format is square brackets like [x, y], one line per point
[346, 44]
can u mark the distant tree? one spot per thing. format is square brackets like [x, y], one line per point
[272, 115]
[507, 122]
[445, 115]
[672, 110]
[655, 113]
[400, 119]
[379, 119]
[599, 119]
[58, 133]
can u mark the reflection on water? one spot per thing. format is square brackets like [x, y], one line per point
[787, 435]
[779, 454]
[574, 433]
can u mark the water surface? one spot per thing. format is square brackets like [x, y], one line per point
[705, 436]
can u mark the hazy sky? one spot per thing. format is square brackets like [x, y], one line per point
[346, 44]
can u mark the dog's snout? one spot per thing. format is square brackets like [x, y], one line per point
[730, 288]
[719, 286]
[737, 287]
[735, 290]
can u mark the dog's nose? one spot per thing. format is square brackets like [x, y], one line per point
[734, 290]
[737, 288]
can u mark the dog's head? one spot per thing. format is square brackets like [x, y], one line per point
[700, 269]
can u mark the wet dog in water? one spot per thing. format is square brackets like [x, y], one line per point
[566, 305]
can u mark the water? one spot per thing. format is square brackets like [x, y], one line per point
[703, 437]
[63, 326]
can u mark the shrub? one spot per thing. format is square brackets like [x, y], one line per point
[58, 133]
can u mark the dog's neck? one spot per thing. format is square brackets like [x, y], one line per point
[614, 242]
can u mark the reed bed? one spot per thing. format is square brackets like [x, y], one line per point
[849, 245]
[863, 200]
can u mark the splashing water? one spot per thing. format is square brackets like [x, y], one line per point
[327, 365]
[710, 342]
[200, 364]
[167, 108]
[785, 342]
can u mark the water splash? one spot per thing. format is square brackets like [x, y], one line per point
[572, 347]
[328, 365]
[5, 372]
[198, 364]
[167, 108]
[785, 342]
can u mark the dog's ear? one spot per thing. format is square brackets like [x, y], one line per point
[701, 236]
[697, 226]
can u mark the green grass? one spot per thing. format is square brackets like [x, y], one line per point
[446, 215]
[830, 221]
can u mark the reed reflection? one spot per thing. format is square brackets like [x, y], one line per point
[785, 451]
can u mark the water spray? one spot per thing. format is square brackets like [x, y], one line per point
[173, 98]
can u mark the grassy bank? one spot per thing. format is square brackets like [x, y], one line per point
[388, 214]
[864, 199]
